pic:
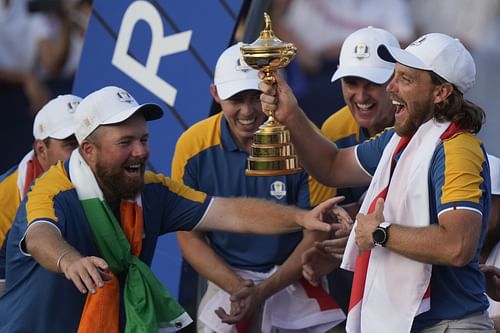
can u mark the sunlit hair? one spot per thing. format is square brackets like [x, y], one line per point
[457, 109]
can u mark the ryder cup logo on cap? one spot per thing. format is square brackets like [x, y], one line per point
[439, 53]
[56, 118]
[233, 75]
[125, 96]
[109, 105]
[361, 51]
[358, 56]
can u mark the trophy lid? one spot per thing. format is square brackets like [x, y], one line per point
[267, 40]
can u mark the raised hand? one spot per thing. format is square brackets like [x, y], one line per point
[279, 99]
[339, 215]
[366, 224]
[86, 273]
[322, 215]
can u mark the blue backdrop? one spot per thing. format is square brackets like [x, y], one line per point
[162, 52]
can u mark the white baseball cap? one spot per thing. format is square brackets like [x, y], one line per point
[494, 174]
[56, 118]
[359, 58]
[109, 105]
[440, 53]
[233, 75]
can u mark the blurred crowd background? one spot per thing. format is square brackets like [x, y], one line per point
[40, 47]
[41, 42]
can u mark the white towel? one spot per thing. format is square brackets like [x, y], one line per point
[292, 309]
[494, 260]
[22, 168]
[395, 285]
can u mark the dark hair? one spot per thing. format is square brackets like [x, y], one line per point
[46, 141]
[457, 109]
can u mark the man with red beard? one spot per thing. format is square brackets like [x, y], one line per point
[369, 110]
[415, 254]
[95, 220]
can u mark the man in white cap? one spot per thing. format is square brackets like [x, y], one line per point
[53, 130]
[364, 77]
[211, 156]
[84, 238]
[369, 110]
[415, 255]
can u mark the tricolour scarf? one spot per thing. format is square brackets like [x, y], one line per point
[390, 290]
[148, 306]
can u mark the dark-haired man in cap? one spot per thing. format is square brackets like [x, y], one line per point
[424, 218]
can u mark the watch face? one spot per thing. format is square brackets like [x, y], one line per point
[379, 236]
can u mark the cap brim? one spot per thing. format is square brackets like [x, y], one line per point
[228, 89]
[393, 54]
[151, 111]
[376, 75]
[62, 134]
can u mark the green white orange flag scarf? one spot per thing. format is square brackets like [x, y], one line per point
[148, 306]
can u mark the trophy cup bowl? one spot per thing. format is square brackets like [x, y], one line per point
[272, 152]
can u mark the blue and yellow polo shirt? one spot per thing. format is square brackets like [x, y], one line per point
[458, 179]
[208, 159]
[341, 128]
[167, 205]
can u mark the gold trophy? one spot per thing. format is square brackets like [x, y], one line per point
[272, 152]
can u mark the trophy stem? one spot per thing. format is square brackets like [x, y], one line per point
[268, 77]
[270, 122]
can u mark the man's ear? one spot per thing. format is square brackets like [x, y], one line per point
[41, 153]
[88, 151]
[442, 92]
[40, 149]
[215, 94]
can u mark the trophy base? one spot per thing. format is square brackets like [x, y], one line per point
[272, 166]
[249, 172]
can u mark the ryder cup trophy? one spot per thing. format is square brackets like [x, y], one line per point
[272, 152]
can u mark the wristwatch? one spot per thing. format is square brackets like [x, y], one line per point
[381, 234]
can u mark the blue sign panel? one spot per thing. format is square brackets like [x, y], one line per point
[162, 52]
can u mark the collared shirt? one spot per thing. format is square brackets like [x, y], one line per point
[50, 302]
[341, 128]
[208, 159]
[458, 179]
